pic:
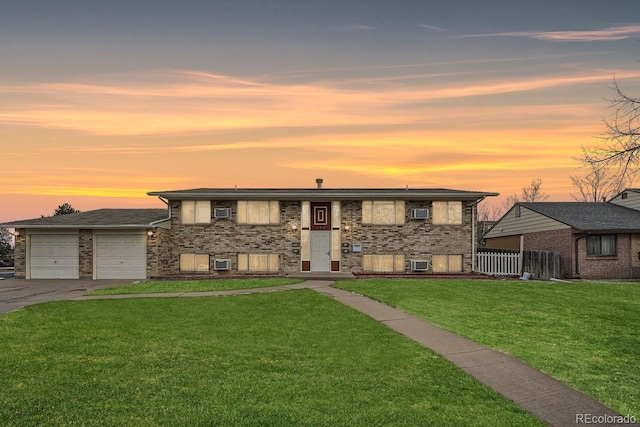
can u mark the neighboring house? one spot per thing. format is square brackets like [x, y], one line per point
[595, 240]
[258, 231]
[629, 198]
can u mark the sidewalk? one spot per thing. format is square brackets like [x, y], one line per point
[548, 399]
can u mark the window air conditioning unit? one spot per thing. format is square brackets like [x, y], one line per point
[222, 213]
[419, 265]
[419, 213]
[222, 264]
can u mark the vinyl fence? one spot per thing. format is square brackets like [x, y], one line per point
[500, 263]
[539, 264]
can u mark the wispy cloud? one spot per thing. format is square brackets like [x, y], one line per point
[431, 27]
[353, 27]
[605, 34]
[193, 102]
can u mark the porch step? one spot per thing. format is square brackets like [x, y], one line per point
[321, 275]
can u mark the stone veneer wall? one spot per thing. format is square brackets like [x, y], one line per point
[225, 239]
[416, 239]
[85, 243]
[20, 254]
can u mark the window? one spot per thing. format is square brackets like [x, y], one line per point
[517, 211]
[259, 262]
[258, 212]
[624, 195]
[446, 263]
[447, 213]
[601, 245]
[194, 263]
[383, 212]
[383, 263]
[196, 212]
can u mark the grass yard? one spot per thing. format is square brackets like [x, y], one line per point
[275, 359]
[163, 286]
[585, 334]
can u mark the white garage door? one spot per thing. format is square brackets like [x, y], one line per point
[121, 256]
[53, 256]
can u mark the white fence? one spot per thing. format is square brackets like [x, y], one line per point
[499, 263]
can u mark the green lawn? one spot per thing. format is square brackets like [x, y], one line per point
[286, 358]
[585, 334]
[164, 286]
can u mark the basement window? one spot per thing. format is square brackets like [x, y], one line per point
[447, 263]
[194, 263]
[383, 263]
[259, 263]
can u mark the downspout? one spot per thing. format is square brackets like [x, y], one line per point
[154, 225]
[630, 256]
[474, 238]
[577, 256]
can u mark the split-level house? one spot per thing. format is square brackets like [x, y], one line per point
[231, 232]
[595, 240]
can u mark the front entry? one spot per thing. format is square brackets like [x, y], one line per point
[320, 251]
[320, 236]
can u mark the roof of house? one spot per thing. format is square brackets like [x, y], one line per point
[626, 190]
[100, 218]
[322, 194]
[589, 216]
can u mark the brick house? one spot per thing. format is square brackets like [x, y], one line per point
[595, 240]
[231, 232]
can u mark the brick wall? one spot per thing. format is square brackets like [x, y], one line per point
[85, 243]
[609, 267]
[20, 254]
[557, 241]
[225, 239]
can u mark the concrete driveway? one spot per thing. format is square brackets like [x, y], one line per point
[17, 293]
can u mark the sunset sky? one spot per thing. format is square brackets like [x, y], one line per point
[103, 101]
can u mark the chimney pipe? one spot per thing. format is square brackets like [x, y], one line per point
[319, 182]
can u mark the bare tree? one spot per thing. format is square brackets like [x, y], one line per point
[531, 193]
[621, 142]
[599, 185]
[488, 211]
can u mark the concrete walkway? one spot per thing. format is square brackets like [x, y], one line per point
[546, 398]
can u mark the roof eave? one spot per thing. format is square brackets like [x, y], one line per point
[80, 226]
[322, 195]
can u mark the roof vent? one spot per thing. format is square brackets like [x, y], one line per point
[319, 181]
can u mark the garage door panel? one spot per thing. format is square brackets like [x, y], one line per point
[54, 256]
[121, 256]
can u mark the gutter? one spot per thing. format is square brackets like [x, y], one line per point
[321, 194]
[168, 218]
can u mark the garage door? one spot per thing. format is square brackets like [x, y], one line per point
[53, 256]
[121, 256]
